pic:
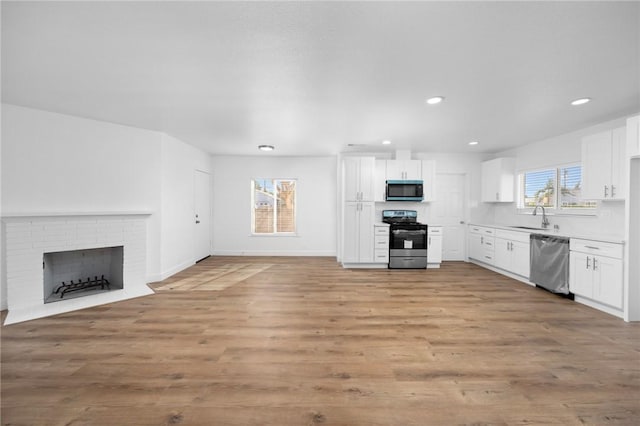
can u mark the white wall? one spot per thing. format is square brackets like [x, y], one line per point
[179, 162]
[60, 163]
[316, 205]
[559, 150]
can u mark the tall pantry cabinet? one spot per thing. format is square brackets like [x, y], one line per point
[358, 209]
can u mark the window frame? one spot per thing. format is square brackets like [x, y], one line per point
[557, 210]
[275, 233]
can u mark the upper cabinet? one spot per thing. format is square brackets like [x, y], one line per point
[498, 180]
[404, 170]
[359, 178]
[633, 136]
[603, 158]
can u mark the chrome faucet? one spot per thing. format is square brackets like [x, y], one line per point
[545, 220]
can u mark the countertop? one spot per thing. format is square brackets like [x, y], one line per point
[595, 237]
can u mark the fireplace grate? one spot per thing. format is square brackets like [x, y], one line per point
[82, 285]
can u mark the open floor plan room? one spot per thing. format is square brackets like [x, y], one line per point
[302, 341]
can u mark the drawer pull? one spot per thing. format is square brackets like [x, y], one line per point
[592, 247]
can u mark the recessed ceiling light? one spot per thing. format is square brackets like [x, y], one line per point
[387, 142]
[580, 101]
[266, 147]
[435, 100]
[473, 143]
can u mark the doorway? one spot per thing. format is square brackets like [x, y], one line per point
[202, 213]
[449, 210]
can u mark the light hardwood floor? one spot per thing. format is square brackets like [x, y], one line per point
[301, 341]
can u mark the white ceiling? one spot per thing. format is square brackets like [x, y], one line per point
[312, 78]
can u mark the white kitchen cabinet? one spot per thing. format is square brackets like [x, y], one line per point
[381, 244]
[434, 246]
[596, 271]
[603, 171]
[429, 180]
[404, 170]
[358, 232]
[497, 182]
[633, 136]
[482, 244]
[380, 177]
[512, 251]
[359, 178]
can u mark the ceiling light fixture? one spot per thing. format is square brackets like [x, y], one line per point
[435, 100]
[387, 142]
[580, 101]
[473, 143]
[266, 147]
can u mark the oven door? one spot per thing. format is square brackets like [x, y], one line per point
[408, 240]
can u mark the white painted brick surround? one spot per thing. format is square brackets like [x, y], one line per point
[27, 238]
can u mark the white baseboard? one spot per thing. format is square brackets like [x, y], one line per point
[169, 272]
[293, 253]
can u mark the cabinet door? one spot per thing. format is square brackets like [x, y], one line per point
[350, 236]
[497, 180]
[366, 232]
[351, 178]
[580, 275]
[520, 258]
[596, 166]
[475, 246]
[607, 281]
[502, 254]
[395, 170]
[490, 182]
[434, 249]
[618, 158]
[380, 180]
[429, 180]
[367, 178]
[413, 169]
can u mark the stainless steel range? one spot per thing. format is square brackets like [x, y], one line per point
[407, 239]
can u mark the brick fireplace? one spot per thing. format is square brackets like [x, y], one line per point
[42, 251]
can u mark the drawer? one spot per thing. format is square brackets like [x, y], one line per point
[381, 242]
[598, 248]
[434, 230]
[512, 235]
[381, 230]
[481, 230]
[381, 256]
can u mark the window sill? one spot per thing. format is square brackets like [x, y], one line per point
[561, 213]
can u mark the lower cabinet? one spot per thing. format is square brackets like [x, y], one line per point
[358, 232]
[596, 271]
[512, 252]
[481, 244]
[434, 246]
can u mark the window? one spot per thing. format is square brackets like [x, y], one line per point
[274, 206]
[540, 187]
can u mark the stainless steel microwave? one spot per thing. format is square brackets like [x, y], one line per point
[404, 190]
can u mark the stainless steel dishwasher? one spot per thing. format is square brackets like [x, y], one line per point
[549, 262]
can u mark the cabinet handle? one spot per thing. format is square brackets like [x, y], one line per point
[481, 240]
[606, 191]
[613, 191]
[588, 262]
[497, 196]
[595, 264]
[592, 247]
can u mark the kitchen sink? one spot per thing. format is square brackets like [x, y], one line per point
[528, 227]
